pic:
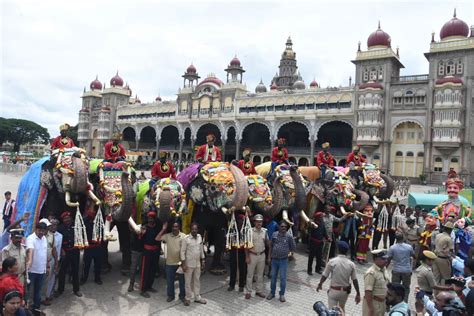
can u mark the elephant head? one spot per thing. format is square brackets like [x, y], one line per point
[117, 190]
[294, 186]
[169, 198]
[262, 197]
[377, 183]
[347, 195]
[220, 186]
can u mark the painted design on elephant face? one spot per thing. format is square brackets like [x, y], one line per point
[372, 176]
[259, 189]
[196, 194]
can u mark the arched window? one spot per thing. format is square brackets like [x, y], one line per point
[409, 154]
[450, 69]
[455, 160]
[373, 75]
[366, 75]
[420, 154]
[459, 68]
[399, 154]
[376, 157]
[441, 68]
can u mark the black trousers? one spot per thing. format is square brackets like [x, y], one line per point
[315, 251]
[377, 239]
[89, 255]
[351, 240]
[69, 263]
[149, 265]
[237, 257]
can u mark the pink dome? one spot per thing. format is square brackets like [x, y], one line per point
[449, 79]
[116, 81]
[211, 79]
[378, 38]
[235, 62]
[96, 84]
[158, 99]
[370, 85]
[313, 84]
[273, 86]
[191, 69]
[454, 27]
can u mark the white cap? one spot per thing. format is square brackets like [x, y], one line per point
[46, 221]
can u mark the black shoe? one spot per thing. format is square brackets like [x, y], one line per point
[170, 299]
[98, 281]
[319, 271]
[241, 289]
[83, 281]
[78, 294]
[145, 294]
[130, 288]
[230, 288]
[310, 273]
[152, 290]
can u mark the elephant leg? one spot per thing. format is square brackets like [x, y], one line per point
[124, 240]
[218, 228]
[106, 266]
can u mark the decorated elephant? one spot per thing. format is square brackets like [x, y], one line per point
[379, 186]
[214, 191]
[56, 184]
[294, 187]
[262, 199]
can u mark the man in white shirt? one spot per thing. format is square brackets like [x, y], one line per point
[37, 262]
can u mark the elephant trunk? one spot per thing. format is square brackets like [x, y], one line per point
[125, 209]
[165, 205]
[387, 191]
[79, 180]
[241, 188]
[300, 196]
[360, 204]
[277, 198]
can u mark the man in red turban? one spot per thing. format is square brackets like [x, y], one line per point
[163, 168]
[356, 157]
[209, 152]
[324, 159]
[63, 140]
[245, 164]
[114, 151]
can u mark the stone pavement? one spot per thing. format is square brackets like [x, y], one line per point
[112, 297]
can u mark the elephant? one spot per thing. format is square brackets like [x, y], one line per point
[294, 188]
[114, 187]
[378, 185]
[262, 199]
[214, 191]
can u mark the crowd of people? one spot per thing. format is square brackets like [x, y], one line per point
[35, 267]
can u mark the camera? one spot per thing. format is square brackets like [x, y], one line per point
[322, 310]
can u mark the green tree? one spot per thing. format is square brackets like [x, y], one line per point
[4, 130]
[22, 132]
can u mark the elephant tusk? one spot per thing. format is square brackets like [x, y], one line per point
[68, 200]
[307, 220]
[284, 215]
[93, 197]
[133, 225]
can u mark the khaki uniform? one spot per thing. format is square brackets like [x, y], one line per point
[257, 260]
[192, 252]
[425, 278]
[342, 271]
[376, 280]
[442, 265]
[19, 253]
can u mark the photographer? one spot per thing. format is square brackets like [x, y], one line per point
[435, 308]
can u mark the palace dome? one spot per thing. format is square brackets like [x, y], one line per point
[235, 62]
[191, 69]
[454, 27]
[299, 84]
[378, 38]
[260, 88]
[116, 81]
[314, 84]
[96, 84]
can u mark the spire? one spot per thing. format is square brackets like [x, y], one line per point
[358, 47]
[432, 37]
[454, 15]
[379, 24]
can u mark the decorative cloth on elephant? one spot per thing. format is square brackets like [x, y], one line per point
[259, 189]
[110, 175]
[372, 176]
[186, 176]
[219, 179]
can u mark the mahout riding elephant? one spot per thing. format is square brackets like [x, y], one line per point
[214, 191]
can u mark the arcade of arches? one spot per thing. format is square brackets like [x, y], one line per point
[255, 136]
[407, 150]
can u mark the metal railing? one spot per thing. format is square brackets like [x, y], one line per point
[410, 78]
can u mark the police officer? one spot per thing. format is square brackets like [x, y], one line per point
[342, 271]
[375, 285]
[425, 277]
[255, 257]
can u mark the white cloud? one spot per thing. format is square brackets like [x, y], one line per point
[52, 49]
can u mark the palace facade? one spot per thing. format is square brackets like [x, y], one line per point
[408, 125]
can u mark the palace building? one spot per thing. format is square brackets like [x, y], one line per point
[408, 125]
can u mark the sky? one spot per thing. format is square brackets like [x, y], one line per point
[51, 50]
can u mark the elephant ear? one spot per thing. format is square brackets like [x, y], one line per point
[387, 191]
[318, 191]
[80, 177]
[165, 205]
[241, 188]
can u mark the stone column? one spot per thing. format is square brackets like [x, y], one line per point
[137, 141]
[311, 152]
[181, 141]
[157, 146]
[193, 141]
[223, 140]
[237, 149]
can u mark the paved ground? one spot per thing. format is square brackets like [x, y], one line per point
[112, 297]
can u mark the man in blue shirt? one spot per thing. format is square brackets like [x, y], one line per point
[401, 253]
[281, 244]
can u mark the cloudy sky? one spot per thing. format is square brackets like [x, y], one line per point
[52, 49]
